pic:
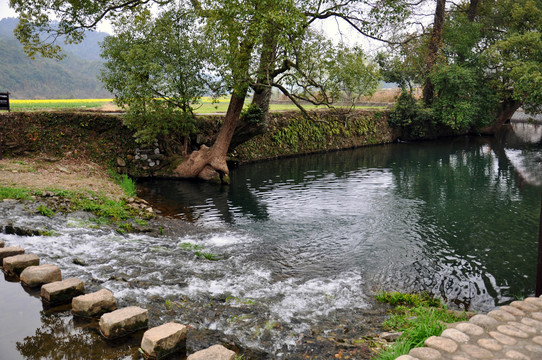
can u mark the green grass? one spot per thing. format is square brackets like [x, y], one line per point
[15, 193]
[198, 251]
[125, 182]
[45, 211]
[418, 316]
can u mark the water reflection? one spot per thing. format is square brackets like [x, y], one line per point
[455, 217]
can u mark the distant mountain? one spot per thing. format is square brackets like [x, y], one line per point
[73, 77]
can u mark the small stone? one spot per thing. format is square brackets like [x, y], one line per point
[164, 340]
[490, 344]
[501, 315]
[524, 306]
[123, 322]
[152, 163]
[94, 304]
[456, 335]
[523, 327]
[441, 343]
[470, 329]
[215, 352]
[63, 169]
[34, 276]
[137, 157]
[61, 292]
[534, 348]
[512, 331]
[476, 352]
[512, 310]
[10, 251]
[532, 323]
[503, 339]
[156, 151]
[144, 157]
[121, 162]
[16, 264]
[425, 353]
[406, 357]
[516, 355]
[391, 336]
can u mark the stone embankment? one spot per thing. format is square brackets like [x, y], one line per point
[156, 343]
[512, 332]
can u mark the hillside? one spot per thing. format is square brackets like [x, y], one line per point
[73, 77]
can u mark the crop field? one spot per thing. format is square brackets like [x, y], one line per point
[56, 104]
[206, 106]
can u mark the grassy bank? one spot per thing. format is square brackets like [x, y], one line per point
[418, 317]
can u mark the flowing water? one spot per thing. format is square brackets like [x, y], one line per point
[302, 244]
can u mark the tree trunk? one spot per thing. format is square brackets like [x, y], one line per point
[432, 50]
[507, 108]
[210, 163]
[473, 9]
[250, 126]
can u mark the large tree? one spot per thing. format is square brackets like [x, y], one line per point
[479, 62]
[255, 41]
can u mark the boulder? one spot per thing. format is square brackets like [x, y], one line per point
[94, 304]
[164, 340]
[123, 322]
[61, 292]
[215, 352]
[34, 276]
[16, 264]
[10, 251]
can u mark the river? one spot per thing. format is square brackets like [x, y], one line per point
[301, 245]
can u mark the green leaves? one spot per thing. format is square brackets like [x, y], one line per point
[157, 69]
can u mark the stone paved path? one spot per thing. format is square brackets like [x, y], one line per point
[512, 332]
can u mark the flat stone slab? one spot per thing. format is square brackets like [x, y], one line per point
[123, 322]
[10, 251]
[16, 264]
[164, 340]
[94, 304]
[62, 292]
[34, 276]
[215, 352]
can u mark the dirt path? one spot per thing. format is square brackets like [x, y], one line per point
[44, 173]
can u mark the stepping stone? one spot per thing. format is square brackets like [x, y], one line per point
[10, 251]
[164, 340]
[94, 304]
[123, 322]
[215, 352]
[16, 264]
[61, 292]
[34, 276]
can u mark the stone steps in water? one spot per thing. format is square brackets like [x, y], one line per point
[215, 352]
[62, 292]
[164, 340]
[94, 304]
[10, 251]
[14, 265]
[123, 321]
[36, 276]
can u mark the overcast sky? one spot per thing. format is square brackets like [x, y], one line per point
[330, 27]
